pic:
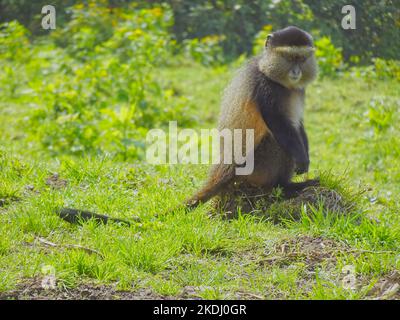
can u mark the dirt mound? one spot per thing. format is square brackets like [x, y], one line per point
[275, 206]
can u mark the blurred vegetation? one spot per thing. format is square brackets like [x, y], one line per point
[91, 84]
[236, 22]
[93, 91]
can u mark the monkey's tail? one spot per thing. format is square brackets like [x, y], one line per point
[77, 216]
[221, 175]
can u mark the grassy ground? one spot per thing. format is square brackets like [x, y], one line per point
[354, 137]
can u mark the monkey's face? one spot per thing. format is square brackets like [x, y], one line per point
[289, 58]
[293, 67]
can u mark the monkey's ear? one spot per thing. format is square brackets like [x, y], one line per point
[268, 38]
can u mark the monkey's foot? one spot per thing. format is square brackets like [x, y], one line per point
[293, 189]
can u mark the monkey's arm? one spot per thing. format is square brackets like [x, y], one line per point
[304, 138]
[290, 140]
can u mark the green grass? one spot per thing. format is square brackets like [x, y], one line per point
[355, 145]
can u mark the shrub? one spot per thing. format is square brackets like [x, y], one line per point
[330, 59]
[207, 51]
[379, 69]
[380, 114]
[14, 43]
[387, 69]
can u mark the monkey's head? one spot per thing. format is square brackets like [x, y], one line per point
[289, 58]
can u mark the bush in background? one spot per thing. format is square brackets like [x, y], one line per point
[330, 58]
[94, 91]
[92, 86]
[237, 22]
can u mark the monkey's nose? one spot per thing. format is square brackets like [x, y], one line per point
[295, 74]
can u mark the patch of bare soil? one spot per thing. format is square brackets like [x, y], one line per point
[387, 288]
[312, 251]
[32, 289]
[274, 206]
[56, 182]
[315, 252]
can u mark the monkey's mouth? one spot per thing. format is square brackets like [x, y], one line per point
[295, 75]
[294, 78]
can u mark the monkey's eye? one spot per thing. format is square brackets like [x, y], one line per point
[299, 58]
[289, 57]
[302, 59]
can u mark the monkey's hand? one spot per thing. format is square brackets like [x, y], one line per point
[302, 166]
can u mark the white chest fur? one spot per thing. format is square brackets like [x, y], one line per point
[295, 108]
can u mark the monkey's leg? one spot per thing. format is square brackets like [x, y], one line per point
[292, 189]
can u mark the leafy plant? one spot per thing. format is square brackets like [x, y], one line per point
[387, 69]
[14, 43]
[207, 50]
[330, 59]
[380, 114]
[95, 91]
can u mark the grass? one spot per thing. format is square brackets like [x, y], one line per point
[355, 146]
